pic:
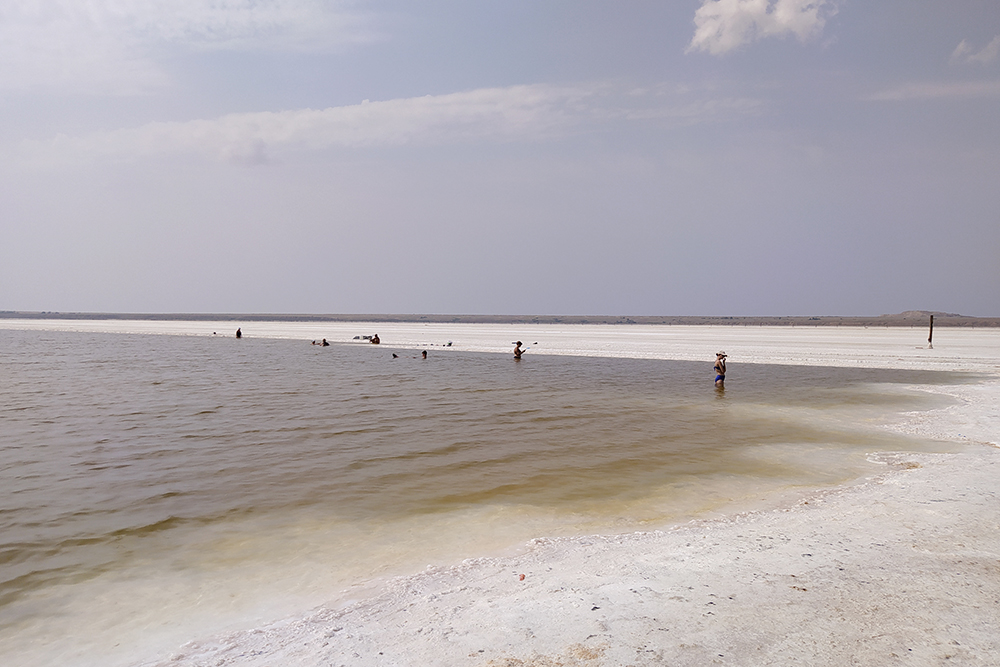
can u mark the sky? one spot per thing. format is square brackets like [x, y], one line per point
[625, 157]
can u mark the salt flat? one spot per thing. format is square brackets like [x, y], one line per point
[873, 347]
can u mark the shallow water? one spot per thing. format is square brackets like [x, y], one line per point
[154, 488]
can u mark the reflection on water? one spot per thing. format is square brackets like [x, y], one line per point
[169, 478]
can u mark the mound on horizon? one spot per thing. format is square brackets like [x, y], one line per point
[922, 314]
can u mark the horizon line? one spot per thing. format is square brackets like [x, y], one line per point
[906, 318]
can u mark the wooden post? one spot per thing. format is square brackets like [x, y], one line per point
[930, 335]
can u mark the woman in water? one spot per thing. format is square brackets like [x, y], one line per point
[720, 369]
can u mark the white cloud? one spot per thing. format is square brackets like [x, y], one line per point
[111, 46]
[964, 53]
[487, 113]
[937, 90]
[529, 112]
[724, 25]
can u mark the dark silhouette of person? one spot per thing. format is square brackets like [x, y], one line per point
[239, 333]
[517, 350]
[324, 343]
[375, 340]
[424, 354]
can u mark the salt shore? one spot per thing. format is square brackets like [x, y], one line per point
[900, 569]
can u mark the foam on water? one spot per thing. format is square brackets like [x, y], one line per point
[155, 489]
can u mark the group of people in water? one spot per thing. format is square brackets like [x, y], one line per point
[719, 367]
[423, 355]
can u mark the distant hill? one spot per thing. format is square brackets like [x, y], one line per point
[910, 318]
[921, 314]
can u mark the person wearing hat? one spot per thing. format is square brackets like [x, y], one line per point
[720, 369]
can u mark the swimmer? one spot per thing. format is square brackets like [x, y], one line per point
[517, 350]
[239, 333]
[324, 343]
[424, 354]
[720, 369]
[375, 340]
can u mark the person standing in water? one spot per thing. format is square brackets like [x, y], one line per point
[517, 350]
[239, 332]
[720, 369]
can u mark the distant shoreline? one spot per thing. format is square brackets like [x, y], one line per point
[907, 319]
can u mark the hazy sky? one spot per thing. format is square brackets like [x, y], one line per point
[687, 157]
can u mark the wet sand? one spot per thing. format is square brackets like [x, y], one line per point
[900, 569]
